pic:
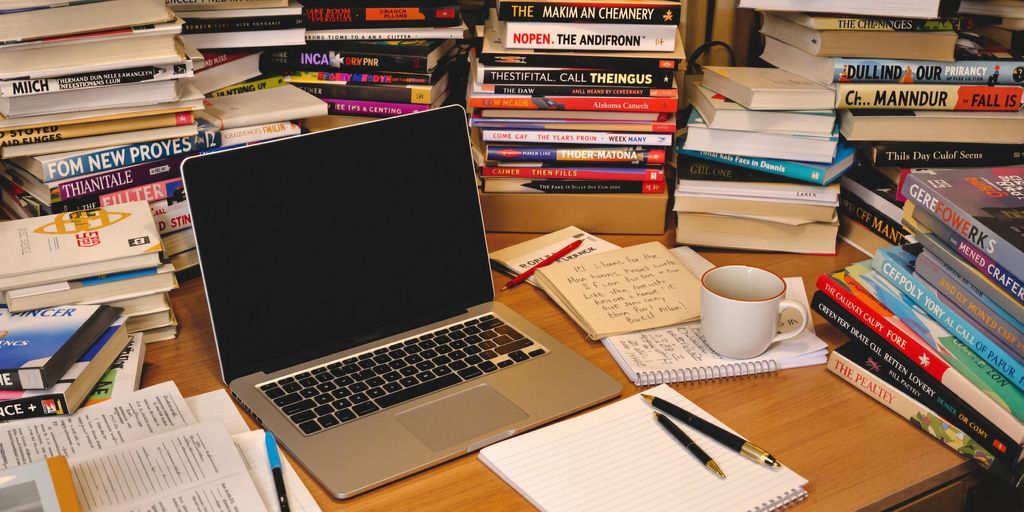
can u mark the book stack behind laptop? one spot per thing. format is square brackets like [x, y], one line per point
[374, 58]
[236, 24]
[758, 164]
[109, 255]
[999, 20]
[911, 92]
[573, 97]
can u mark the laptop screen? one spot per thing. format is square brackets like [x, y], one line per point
[323, 242]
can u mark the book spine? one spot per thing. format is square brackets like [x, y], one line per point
[570, 90]
[193, 5]
[26, 87]
[557, 154]
[926, 154]
[250, 86]
[207, 26]
[33, 407]
[575, 173]
[21, 136]
[967, 72]
[904, 404]
[133, 154]
[10, 380]
[590, 187]
[911, 410]
[856, 209]
[258, 133]
[378, 34]
[370, 78]
[170, 215]
[214, 59]
[411, 94]
[149, 193]
[574, 78]
[372, 108]
[917, 190]
[928, 97]
[887, 24]
[384, 17]
[904, 373]
[970, 300]
[117, 179]
[576, 137]
[601, 104]
[312, 60]
[590, 36]
[585, 61]
[777, 167]
[542, 124]
[589, 12]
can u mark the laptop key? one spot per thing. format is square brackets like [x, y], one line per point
[323, 409]
[376, 392]
[302, 416]
[364, 374]
[474, 360]
[323, 399]
[303, 375]
[419, 390]
[424, 365]
[381, 369]
[375, 382]
[391, 387]
[487, 366]
[457, 344]
[382, 358]
[358, 387]
[537, 352]
[398, 363]
[441, 331]
[397, 353]
[427, 344]
[502, 340]
[472, 329]
[379, 351]
[424, 376]
[512, 347]
[319, 369]
[286, 380]
[412, 349]
[341, 393]
[336, 364]
[490, 324]
[364, 356]
[413, 359]
[444, 349]
[409, 381]
[298, 407]
[470, 372]
[487, 345]
[290, 398]
[268, 386]
[428, 354]
[309, 392]
[326, 387]
[274, 392]
[457, 354]
[488, 354]
[508, 331]
[471, 321]
[324, 377]
[518, 356]
[408, 371]
[345, 415]
[506, 363]
[349, 360]
[473, 339]
[365, 408]
[457, 335]
[358, 398]
[343, 381]
[442, 370]
[488, 335]
[392, 376]
[328, 421]
[367, 363]
[292, 387]
[341, 404]
[441, 360]
[473, 349]
[458, 365]
[310, 427]
[308, 382]
[350, 368]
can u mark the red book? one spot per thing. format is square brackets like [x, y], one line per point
[594, 103]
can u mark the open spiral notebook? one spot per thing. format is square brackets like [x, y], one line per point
[618, 458]
[679, 353]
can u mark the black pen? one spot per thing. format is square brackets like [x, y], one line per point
[681, 436]
[733, 441]
[275, 468]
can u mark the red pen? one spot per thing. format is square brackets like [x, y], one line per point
[547, 261]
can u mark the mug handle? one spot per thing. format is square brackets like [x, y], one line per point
[785, 304]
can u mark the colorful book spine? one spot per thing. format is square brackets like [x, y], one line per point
[899, 402]
[420, 94]
[858, 210]
[150, 192]
[531, 59]
[372, 108]
[19, 136]
[70, 165]
[560, 186]
[242, 135]
[576, 137]
[25, 87]
[970, 300]
[589, 12]
[95, 184]
[313, 60]
[950, 362]
[888, 24]
[860, 368]
[667, 126]
[572, 90]
[903, 373]
[598, 103]
[382, 16]
[928, 97]
[896, 265]
[246, 24]
[589, 36]
[802, 171]
[249, 86]
[170, 215]
[936, 202]
[576, 78]
[967, 72]
[560, 154]
[371, 78]
[576, 173]
[940, 155]
[381, 34]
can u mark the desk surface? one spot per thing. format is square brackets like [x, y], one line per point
[855, 453]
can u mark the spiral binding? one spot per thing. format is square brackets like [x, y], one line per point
[737, 369]
[781, 502]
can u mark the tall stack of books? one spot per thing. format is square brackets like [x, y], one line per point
[576, 97]
[759, 163]
[377, 58]
[912, 93]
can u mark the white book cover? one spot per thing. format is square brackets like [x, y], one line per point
[589, 36]
[350, 34]
[907, 8]
[722, 113]
[768, 88]
[100, 55]
[78, 19]
[283, 103]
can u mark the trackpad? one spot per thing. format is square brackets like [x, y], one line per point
[460, 417]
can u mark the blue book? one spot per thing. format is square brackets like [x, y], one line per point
[896, 265]
[819, 174]
[37, 347]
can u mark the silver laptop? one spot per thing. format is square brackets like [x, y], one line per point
[350, 292]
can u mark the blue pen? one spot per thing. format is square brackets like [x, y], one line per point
[275, 469]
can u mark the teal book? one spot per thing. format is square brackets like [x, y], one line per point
[819, 174]
[37, 347]
[896, 264]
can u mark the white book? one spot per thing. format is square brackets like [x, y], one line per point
[290, 8]
[190, 99]
[168, 28]
[574, 137]
[98, 141]
[78, 19]
[108, 288]
[215, 77]
[99, 55]
[247, 39]
[283, 103]
[113, 78]
[805, 193]
[898, 8]
[721, 113]
[589, 36]
[118, 96]
[351, 34]
[768, 88]
[190, 5]
[258, 133]
[795, 60]
[801, 148]
[619, 458]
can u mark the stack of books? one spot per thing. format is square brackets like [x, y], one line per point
[999, 20]
[574, 97]
[912, 93]
[759, 163]
[379, 58]
[938, 327]
[234, 24]
[54, 359]
[109, 255]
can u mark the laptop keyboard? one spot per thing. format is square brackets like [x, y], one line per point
[340, 391]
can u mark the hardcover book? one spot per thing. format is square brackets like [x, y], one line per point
[935, 155]
[996, 98]
[589, 36]
[937, 46]
[820, 174]
[39, 346]
[932, 126]
[259, 107]
[720, 112]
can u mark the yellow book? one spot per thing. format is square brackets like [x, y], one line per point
[19, 136]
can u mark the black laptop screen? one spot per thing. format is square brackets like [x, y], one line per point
[326, 241]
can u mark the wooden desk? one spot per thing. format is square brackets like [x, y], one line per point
[855, 453]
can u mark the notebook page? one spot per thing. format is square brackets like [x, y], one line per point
[619, 458]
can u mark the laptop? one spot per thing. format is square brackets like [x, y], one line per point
[350, 293]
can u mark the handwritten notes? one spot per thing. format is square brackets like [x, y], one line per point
[625, 290]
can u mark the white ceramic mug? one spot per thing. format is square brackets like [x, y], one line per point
[740, 310]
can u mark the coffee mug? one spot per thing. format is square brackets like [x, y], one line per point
[740, 310]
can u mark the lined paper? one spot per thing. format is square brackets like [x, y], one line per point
[619, 458]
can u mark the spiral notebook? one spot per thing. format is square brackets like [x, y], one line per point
[619, 458]
[679, 354]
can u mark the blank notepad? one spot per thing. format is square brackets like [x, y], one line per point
[619, 458]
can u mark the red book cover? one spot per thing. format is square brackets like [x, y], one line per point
[598, 103]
